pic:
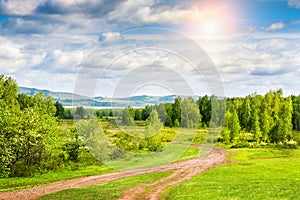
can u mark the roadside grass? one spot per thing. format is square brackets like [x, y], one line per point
[171, 153]
[110, 190]
[260, 174]
[7, 184]
[15, 183]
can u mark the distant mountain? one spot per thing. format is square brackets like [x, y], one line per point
[70, 99]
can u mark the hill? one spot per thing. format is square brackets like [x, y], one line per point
[70, 99]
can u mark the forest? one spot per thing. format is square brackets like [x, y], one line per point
[39, 135]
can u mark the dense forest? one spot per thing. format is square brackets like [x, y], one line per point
[31, 132]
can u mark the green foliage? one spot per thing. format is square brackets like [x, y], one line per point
[79, 113]
[72, 144]
[176, 111]
[93, 138]
[296, 112]
[60, 111]
[268, 118]
[204, 104]
[127, 116]
[26, 125]
[190, 114]
[126, 142]
[231, 126]
[176, 123]
[153, 140]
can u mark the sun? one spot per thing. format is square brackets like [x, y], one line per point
[210, 28]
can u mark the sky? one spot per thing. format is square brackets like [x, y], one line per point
[152, 47]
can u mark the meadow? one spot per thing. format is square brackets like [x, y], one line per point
[265, 173]
[252, 174]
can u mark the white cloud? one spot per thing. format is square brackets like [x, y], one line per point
[275, 26]
[14, 57]
[294, 3]
[20, 7]
[144, 12]
[110, 37]
[45, 49]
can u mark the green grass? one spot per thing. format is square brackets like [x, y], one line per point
[7, 184]
[171, 153]
[261, 175]
[110, 190]
[262, 153]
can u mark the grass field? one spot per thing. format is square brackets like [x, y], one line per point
[7, 184]
[259, 174]
[111, 190]
[171, 153]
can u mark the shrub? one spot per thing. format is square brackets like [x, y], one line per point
[291, 144]
[21, 169]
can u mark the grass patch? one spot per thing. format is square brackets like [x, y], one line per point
[170, 154]
[7, 184]
[262, 153]
[276, 178]
[110, 190]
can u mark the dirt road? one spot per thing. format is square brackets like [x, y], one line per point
[183, 171]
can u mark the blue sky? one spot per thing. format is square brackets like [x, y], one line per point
[105, 47]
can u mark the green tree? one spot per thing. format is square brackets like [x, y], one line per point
[93, 138]
[152, 139]
[296, 112]
[138, 114]
[190, 114]
[72, 144]
[127, 118]
[232, 124]
[204, 104]
[168, 109]
[60, 111]
[246, 114]
[79, 113]
[26, 125]
[176, 110]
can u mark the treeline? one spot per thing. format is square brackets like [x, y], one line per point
[251, 121]
[184, 112]
[256, 120]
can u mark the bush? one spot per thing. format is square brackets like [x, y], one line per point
[117, 153]
[126, 142]
[291, 144]
[55, 160]
[21, 169]
[85, 158]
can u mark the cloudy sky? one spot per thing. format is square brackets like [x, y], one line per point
[157, 47]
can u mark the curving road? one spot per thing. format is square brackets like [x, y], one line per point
[183, 171]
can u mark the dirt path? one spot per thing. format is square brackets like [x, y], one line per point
[183, 171]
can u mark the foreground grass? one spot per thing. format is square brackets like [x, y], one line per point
[110, 190]
[263, 174]
[7, 184]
